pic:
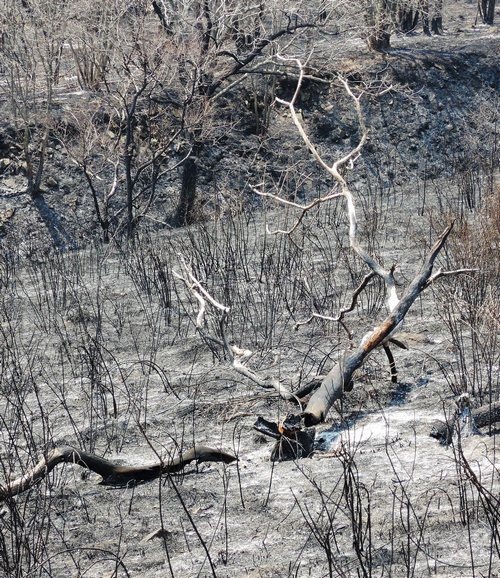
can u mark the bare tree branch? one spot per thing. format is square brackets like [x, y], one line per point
[340, 377]
[366, 279]
[112, 474]
[236, 355]
[334, 170]
[440, 274]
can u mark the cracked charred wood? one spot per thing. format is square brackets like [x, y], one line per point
[292, 441]
[266, 427]
[112, 474]
[294, 445]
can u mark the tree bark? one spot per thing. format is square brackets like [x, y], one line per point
[380, 41]
[378, 18]
[437, 17]
[437, 25]
[164, 21]
[487, 11]
[490, 13]
[424, 9]
[407, 19]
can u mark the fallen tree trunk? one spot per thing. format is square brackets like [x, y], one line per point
[483, 416]
[339, 379]
[112, 474]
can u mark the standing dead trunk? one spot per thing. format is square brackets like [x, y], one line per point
[184, 214]
[159, 9]
[490, 12]
[35, 166]
[486, 10]
[379, 42]
[407, 19]
[130, 155]
[130, 191]
[437, 17]
[437, 25]
[424, 10]
[378, 19]
[432, 16]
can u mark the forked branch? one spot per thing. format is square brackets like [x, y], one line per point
[339, 378]
[335, 170]
[339, 318]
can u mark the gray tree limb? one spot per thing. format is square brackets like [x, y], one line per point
[112, 474]
[339, 379]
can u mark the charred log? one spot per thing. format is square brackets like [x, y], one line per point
[112, 474]
[292, 442]
[485, 416]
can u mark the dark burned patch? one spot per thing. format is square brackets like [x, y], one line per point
[292, 442]
[311, 92]
[8, 137]
[401, 393]
[437, 68]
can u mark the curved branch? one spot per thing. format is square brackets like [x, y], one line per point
[354, 299]
[334, 170]
[256, 52]
[112, 474]
[237, 356]
[304, 208]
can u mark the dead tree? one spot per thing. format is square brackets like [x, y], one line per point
[226, 54]
[339, 379]
[407, 16]
[383, 17]
[486, 10]
[378, 18]
[432, 16]
[237, 357]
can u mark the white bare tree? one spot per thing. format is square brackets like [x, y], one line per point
[340, 377]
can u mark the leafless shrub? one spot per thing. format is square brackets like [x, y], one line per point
[91, 44]
[478, 504]
[31, 50]
[23, 542]
[149, 266]
[357, 500]
[469, 307]
[344, 506]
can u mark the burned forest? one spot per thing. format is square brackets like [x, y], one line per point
[249, 307]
